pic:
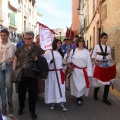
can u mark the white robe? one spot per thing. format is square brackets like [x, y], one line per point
[52, 94]
[95, 82]
[80, 58]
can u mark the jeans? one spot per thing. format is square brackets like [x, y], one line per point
[5, 82]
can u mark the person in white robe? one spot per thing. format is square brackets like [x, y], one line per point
[80, 62]
[97, 57]
[52, 93]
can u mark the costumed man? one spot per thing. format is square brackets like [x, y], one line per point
[102, 52]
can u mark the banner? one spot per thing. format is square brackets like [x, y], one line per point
[69, 34]
[46, 37]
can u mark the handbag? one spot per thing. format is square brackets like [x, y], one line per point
[16, 75]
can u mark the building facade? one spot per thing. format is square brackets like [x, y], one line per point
[101, 16]
[18, 16]
[110, 23]
[75, 17]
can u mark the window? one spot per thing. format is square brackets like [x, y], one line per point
[12, 18]
[113, 53]
[94, 36]
[29, 11]
[93, 6]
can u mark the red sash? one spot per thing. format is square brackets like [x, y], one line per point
[61, 73]
[85, 75]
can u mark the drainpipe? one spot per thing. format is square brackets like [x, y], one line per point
[22, 15]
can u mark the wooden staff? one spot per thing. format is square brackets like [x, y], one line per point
[56, 74]
[70, 32]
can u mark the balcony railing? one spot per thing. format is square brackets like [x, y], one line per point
[13, 25]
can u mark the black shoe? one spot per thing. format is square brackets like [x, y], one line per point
[107, 102]
[95, 97]
[34, 116]
[20, 112]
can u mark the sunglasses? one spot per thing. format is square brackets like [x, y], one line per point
[28, 38]
[81, 40]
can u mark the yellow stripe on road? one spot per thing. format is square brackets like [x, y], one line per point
[115, 92]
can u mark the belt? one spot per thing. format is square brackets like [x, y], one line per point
[61, 73]
[85, 75]
[6, 63]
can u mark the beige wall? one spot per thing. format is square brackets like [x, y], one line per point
[111, 25]
[75, 16]
[93, 23]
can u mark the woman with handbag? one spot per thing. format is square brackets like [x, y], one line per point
[79, 63]
[54, 91]
[27, 56]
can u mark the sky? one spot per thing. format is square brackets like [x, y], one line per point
[56, 13]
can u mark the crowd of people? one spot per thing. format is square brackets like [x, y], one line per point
[72, 55]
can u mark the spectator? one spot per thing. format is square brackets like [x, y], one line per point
[7, 50]
[29, 78]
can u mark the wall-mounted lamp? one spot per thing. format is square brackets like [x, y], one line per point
[78, 9]
[80, 14]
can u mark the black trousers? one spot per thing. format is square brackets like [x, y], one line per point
[27, 84]
[106, 91]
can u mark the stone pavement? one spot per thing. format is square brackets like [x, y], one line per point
[89, 110]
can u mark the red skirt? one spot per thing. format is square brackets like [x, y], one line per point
[105, 74]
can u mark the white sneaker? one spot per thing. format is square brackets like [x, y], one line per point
[79, 102]
[52, 107]
[63, 108]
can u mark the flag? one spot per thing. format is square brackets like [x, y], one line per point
[72, 35]
[69, 34]
[46, 37]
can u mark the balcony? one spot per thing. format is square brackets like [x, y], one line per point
[2, 15]
[13, 4]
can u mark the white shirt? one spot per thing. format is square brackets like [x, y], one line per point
[100, 57]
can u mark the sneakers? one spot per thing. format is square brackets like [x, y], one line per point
[34, 116]
[106, 102]
[52, 107]
[79, 101]
[63, 108]
[4, 110]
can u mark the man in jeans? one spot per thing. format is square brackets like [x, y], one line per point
[7, 50]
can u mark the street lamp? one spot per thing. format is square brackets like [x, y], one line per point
[60, 35]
